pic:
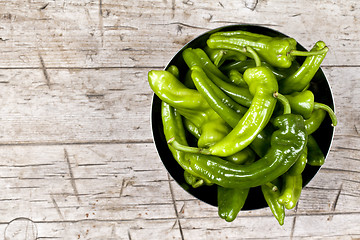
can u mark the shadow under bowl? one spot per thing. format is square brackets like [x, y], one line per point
[208, 194]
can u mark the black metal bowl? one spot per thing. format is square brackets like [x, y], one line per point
[208, 194]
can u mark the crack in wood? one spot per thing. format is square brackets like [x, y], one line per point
[57, 207]
[72, 179]
[333, 207]
[175, 208]
[101, 22]
[294, 221]
[122, 188]
[44, 6]
[45, 72]
[173, 8]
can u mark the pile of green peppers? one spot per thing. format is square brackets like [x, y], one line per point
[245, 99]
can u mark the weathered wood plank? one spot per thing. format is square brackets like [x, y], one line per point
[123, 182]
[76, 105]
[148, 33]
[72, 104]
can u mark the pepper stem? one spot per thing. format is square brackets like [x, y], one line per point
[272, 186]
[327, 109]
[254, 55]
[284, 101]
[180, 147]
[311, 53]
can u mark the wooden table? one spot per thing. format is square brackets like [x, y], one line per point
[77, 155]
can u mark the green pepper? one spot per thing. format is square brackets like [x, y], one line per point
[300, 79]
[277, 51]
[280, 73]
[246, 155]
[262, 84]
[271, 196]
[197, 57]
[219, 56]
[173, 127]
[291, 192]
[192, 180]
[190, 104]
[315, 120]
[300, 164]
[222, 104]
[174, 70]
[191, 128]
[230, 202]
[303, 103]
[237, 78]
[315, 155]
[287, 144]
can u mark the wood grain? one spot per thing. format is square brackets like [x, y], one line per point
[78, 159]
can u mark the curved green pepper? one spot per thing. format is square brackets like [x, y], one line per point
[287, 144]
[173, 127]
[303, 103]
[277, 51]
[197, 57]
[174, 70]
[190, 104]
[237, 78]
[246, 155]
[262, 84]
[222, 104]
[315, 155]
[300, 79]
[230, 202]
[280, 73]
[300, 164]
[192, 180]
[292, 188]
[315, 120]
[219, 56]
[191, 128]
[271, 198]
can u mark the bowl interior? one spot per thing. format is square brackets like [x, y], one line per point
[208, 194]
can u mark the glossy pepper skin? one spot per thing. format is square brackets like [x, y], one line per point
[271, 198]
[197, 57]
[236, 77]
[315, 155]
[291, 192]
[173, 127]
[303, 103]
[287, 144]
[190, 104]
[222, 104]
[245, 156]
[262, 84]
[300, 79]
[300, 164]
[280, 73]
[219, 56]
[315, 120]
[274, 50]
[230, 202]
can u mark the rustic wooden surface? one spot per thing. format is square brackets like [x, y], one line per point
[76, 149]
